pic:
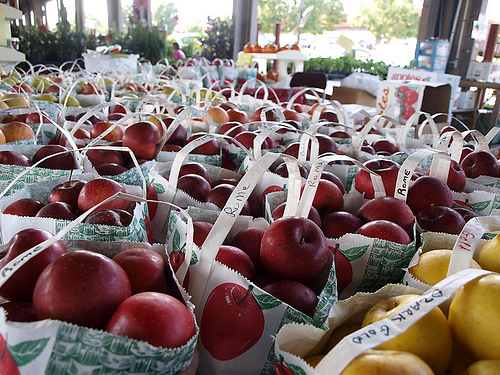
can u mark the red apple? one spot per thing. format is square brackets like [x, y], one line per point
[231, 128]
[14, 158]
[145, 269]
[24, 207]
[179, 135]
[142, 138]
[328, 116]
[336, 224]
[294, 294]
[385, 145]
[343, 269]
[293, 248]
[108, 216]
[456, 177]
[385, 230]
[467, 213]
[249, 240]
[100, 127]
[19, 311]
[195, 168]
[237, 260]
[326, 144]
[19, 287]
[282, 170]
[328, 197]
[100, 156]
[99, 189]
[209, 148]
[110, 169]
[232, 321]
[201, 231]
[388, 208]
[426, 191]
[64, 161]
[440, 219]
[325, 175]
[313, 213]
[81, 287]
[57, 210]
[480, 163]
[157, 318]
[195, 186]
[270, 115]
[238, 116]
[67, 192]
[388, 171]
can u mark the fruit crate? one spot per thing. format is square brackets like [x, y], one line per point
[432, 55]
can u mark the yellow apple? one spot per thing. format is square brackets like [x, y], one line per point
[2, 138]
[70, 101]
[314, 360]
[10, 80]
[433, 265]
[387, 362]
[41, 84]
[429, 338]
[218, 115]
[489, 255]
[16, 131]
[474, 317]
[484, 367]
[338, 334]
[459, 362]
[47, 97]
[15, 100]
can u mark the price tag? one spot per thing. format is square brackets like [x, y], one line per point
[244, 60]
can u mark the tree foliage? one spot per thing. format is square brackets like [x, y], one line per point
[166, 15]
[325, 15]
[391, 19]
[218, 41]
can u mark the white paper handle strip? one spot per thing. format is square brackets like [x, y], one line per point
[383, 330]
[225, 221]
[352, 116]
[468, 240]
[259, 139]
[315, 175]
[482, 143]
[294, 185]
[492, 134]
[305, 140]
[301, 92]
[409, 166]
[455, 148]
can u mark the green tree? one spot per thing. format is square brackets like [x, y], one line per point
[218, 41]
[391, 19]
[325, 15]
[166, 15]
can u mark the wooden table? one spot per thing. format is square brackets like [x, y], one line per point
[481, 88]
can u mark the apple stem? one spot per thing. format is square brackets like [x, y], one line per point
[70, 175]
[250, 288]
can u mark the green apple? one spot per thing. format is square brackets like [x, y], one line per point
[433, 265]
[387, 362]
[47, 97]
[15, 100]
[474, 317]
[489, 255]
[429, 338]
[484, 367]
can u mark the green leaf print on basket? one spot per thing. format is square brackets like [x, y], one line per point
[27, 351]
[354, 253]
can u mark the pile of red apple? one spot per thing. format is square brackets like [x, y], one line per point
[290, 259]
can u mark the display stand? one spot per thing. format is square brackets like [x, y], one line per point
[7, 51]
[284, 59]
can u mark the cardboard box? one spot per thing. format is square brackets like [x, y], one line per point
[400, 99]
[484, 71]
[349, 95]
